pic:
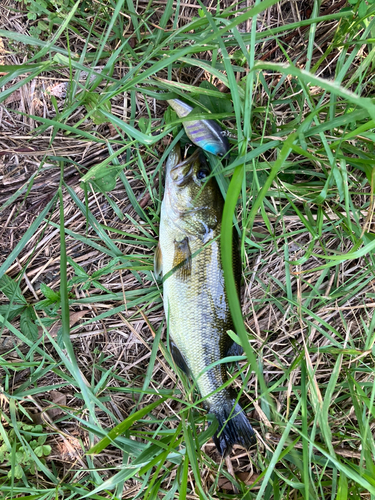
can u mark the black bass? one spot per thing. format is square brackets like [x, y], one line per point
[203, 133]
[195, 301]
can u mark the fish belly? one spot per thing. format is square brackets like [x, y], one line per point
[197, 317]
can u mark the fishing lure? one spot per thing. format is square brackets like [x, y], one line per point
[206, 134]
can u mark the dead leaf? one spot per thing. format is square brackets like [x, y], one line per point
[57, 90]
[50, 414]
[67, 450]
[14, 96]
[224, 484]
[36, 107]
[74, 318]
[58, 398]
[245, 477]
[112, 130]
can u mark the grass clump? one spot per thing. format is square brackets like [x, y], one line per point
[85, 133]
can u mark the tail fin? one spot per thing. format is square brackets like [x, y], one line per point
[234, 428]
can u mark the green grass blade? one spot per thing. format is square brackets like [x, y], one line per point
[122, 427]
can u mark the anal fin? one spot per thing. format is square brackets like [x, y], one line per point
[234, 349]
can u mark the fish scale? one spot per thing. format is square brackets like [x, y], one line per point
[195, 300]
[195, 319]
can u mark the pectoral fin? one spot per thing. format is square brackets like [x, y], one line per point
[182, 259]
[158, 262]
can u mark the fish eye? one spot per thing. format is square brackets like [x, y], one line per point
[202, 173]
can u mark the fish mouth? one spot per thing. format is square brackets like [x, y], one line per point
[181, 173]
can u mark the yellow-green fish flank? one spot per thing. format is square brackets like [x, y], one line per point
[195, 301]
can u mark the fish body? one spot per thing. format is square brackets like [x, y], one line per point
[195, 300]
[206, 134]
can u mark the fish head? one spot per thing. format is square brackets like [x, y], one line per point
[192, 195]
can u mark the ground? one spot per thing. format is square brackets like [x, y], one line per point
[82, 147]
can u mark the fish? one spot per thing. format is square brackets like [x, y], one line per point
[194, 296]
[206, 134]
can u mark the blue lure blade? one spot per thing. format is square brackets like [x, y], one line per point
[203, 133]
